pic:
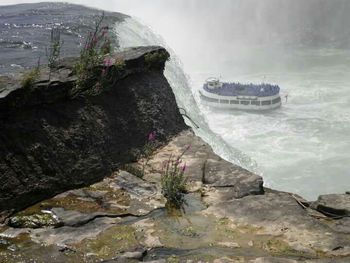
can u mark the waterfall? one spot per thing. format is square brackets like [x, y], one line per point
[133, 33]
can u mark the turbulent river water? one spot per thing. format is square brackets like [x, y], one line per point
[302, 147]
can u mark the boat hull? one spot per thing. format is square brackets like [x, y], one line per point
[249, 103]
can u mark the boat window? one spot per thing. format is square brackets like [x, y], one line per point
[266, 102]
[277, 100]
[224, 101]
[244, 102]
[255, 102]
[208, 99]
[234, 101]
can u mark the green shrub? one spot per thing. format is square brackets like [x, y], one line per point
[31, 77]
[133, 169]
[148, 150]
[92, 56]
[156, 60]
[173, 181]
[54, 51]
[119, 64]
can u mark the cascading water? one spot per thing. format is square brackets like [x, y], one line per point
[302, 147]
[133, 33]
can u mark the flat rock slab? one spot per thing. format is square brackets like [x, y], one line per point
[204, 167]
[220, 173]
[120, 195]
[228, 217]
[333, 205]
[67, 236]
[134, 185]
[279, 214]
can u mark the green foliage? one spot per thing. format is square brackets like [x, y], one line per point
[148, 150]
[173, 181]
[54, 51]
[133, 169]
[119, 64]
[31, 77]
[97, 45]
[156, 60]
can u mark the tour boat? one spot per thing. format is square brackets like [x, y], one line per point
[240, 96]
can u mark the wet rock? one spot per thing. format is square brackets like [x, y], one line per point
[229, 244]
[273, 260]
[223, 260]
[134, 185]
[278, 213]
[4, 242]
[133, 255]
[66, 236]
[75, 218]
[220, 173]
[333, 205]
[205, 168]
[12, 248]
[34, 221]
[148, 228]
[341, 225]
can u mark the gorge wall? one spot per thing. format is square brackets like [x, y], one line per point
[51, 141]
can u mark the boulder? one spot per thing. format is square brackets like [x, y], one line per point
[333, 205]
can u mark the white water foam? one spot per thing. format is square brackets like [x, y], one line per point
[302, 147]
[133, 33]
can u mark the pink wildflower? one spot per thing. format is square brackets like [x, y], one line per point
[184, 168]
[178, 162]
[152, 136]
[107, 62]
[104, 32]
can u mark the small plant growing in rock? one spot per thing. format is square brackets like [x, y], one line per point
[148, 150]
[134, 169]
[54, 51]
[119, 64]
[92, 56]
[155, 60]
[31, 77]
[173, 181]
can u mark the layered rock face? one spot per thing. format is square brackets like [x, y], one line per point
[227, 217]
[52, 141]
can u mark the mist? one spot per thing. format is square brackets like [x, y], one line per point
[205, 27]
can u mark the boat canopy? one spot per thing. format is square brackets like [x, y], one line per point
[238, 89]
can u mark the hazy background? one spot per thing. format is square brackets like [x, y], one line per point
[191, 27]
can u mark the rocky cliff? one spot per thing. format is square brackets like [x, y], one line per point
[52, 141]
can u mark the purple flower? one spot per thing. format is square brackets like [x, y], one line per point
[152, 136]
[184, 168]
[107, 62]
[104, 32]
